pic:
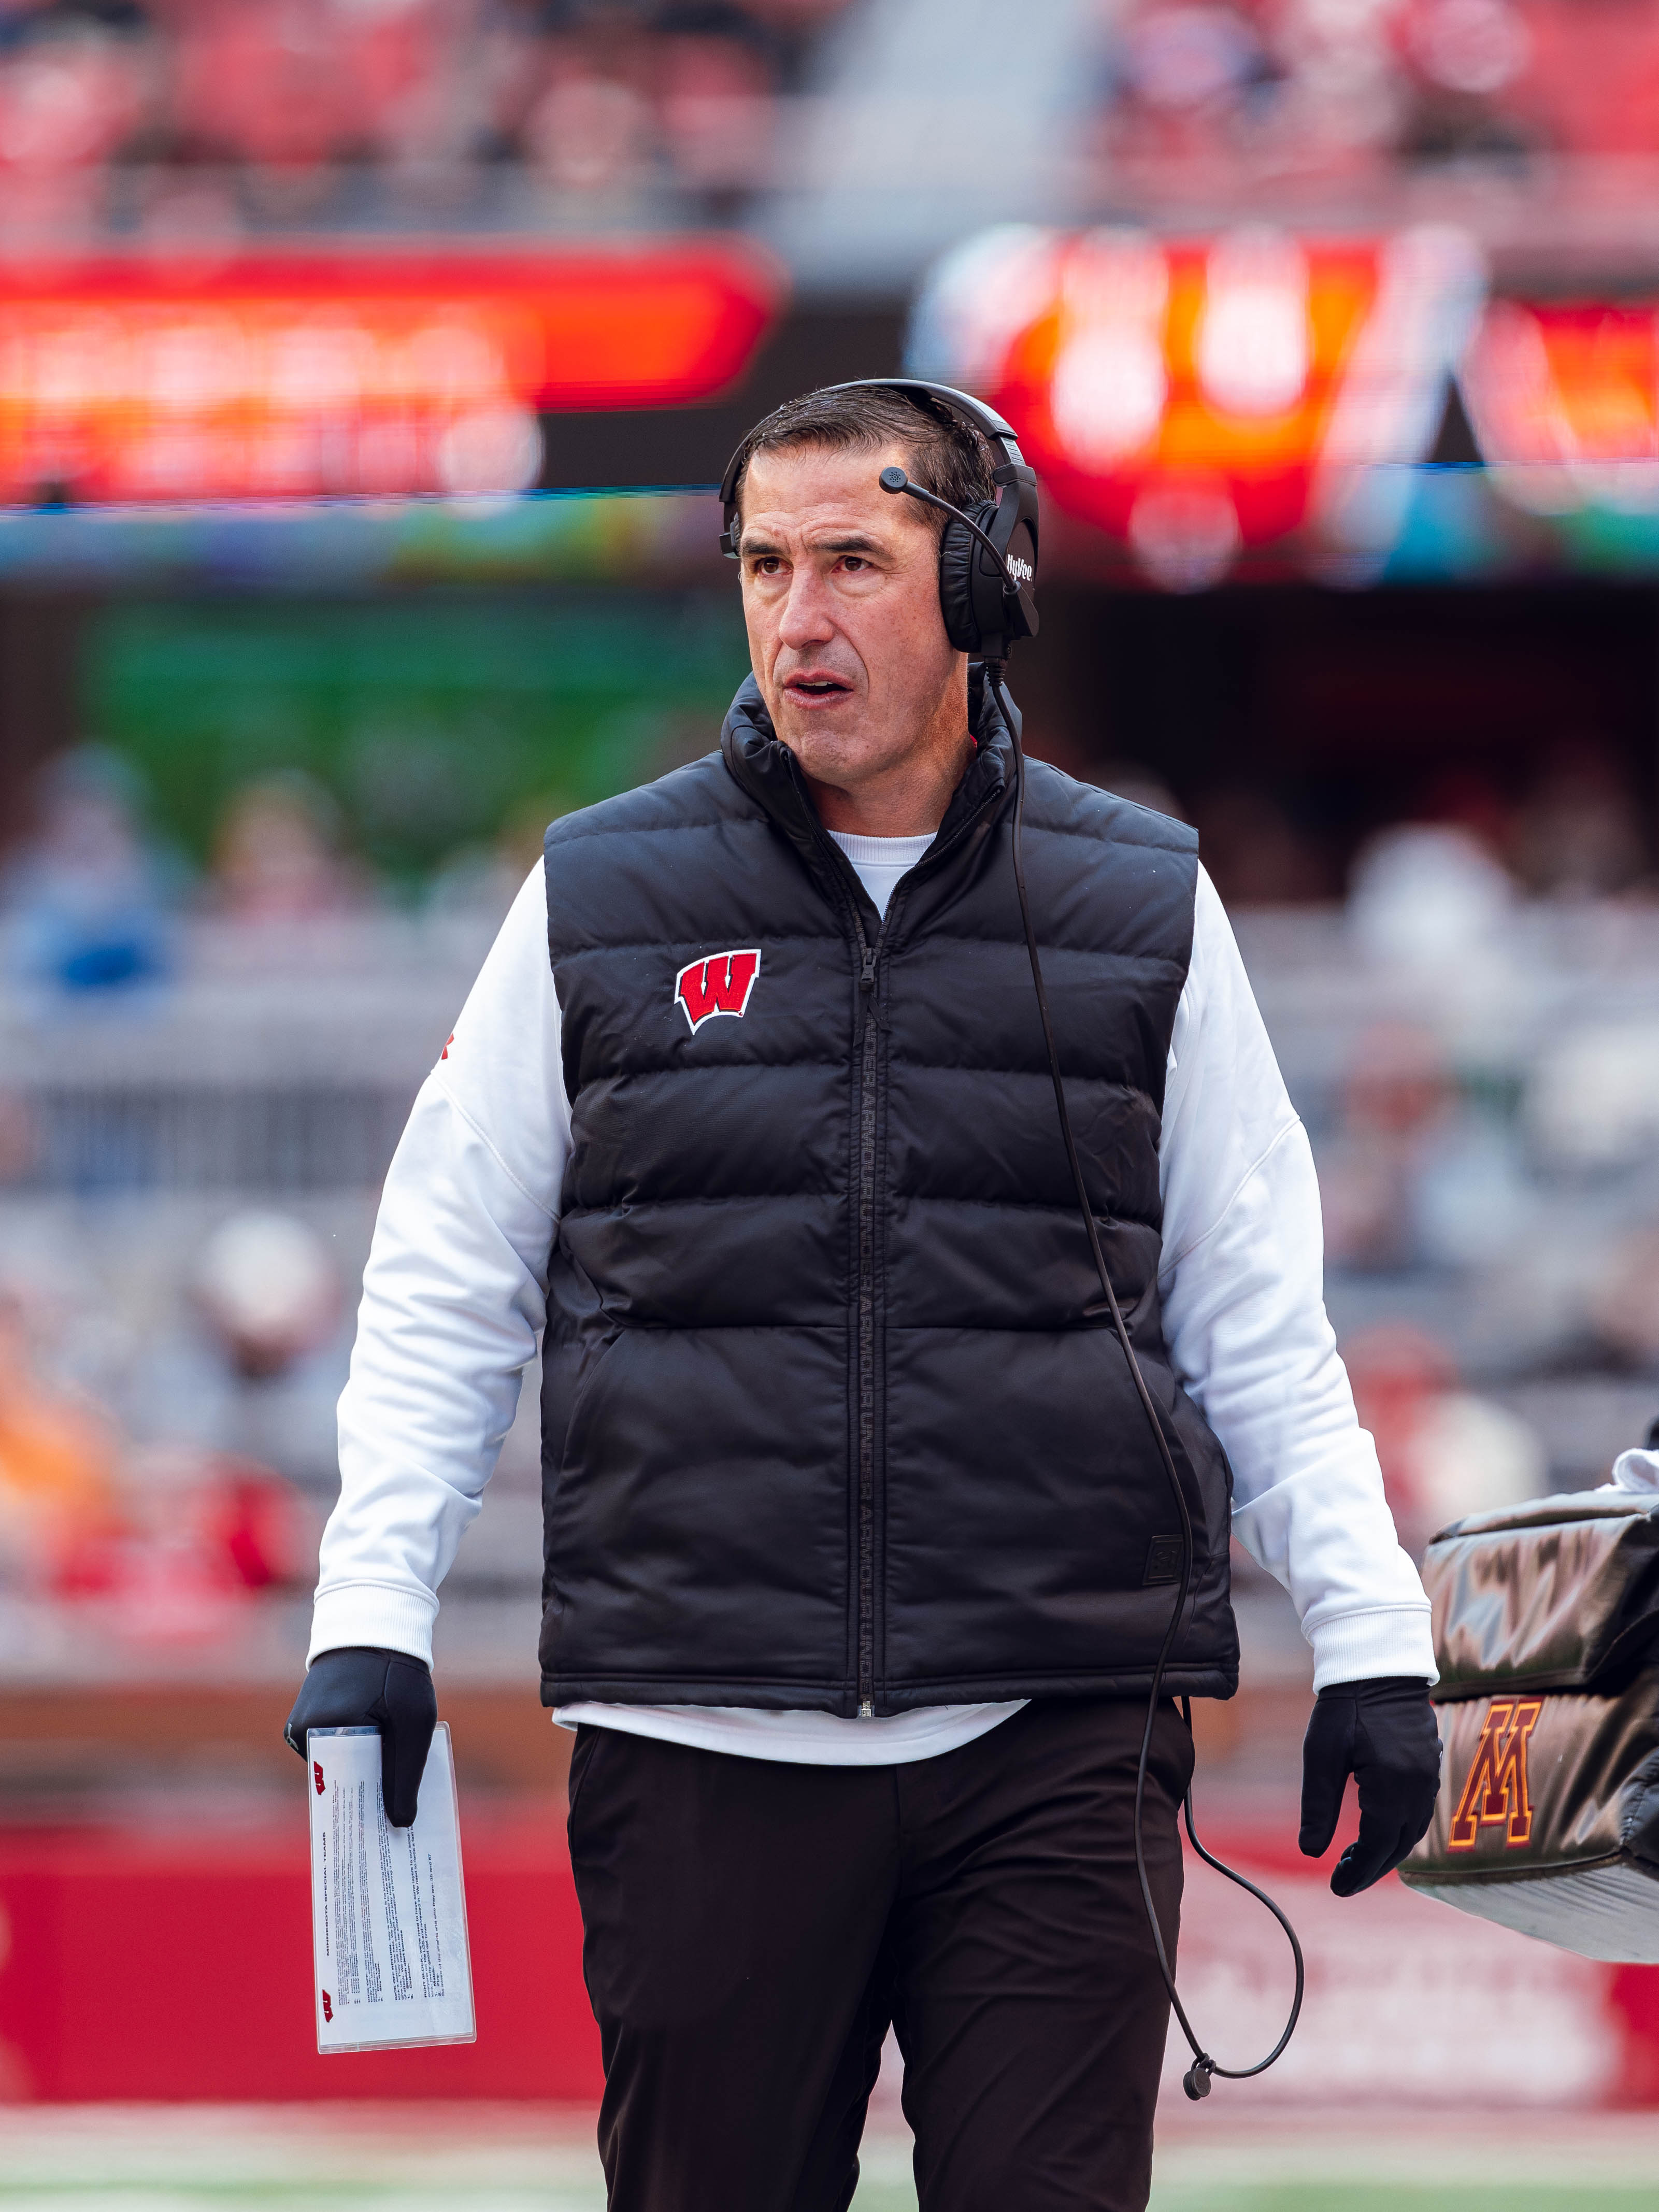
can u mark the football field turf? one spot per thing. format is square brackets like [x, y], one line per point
[515, 2159]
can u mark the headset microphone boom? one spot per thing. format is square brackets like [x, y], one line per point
[987, 609]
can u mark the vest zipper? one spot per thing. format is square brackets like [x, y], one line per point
[870, 1053]
[842, 868]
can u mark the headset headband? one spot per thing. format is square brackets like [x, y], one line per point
[963, 404]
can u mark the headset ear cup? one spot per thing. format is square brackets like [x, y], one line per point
[960, 587]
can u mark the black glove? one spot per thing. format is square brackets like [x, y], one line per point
[363, 1686]
[1384, 1734]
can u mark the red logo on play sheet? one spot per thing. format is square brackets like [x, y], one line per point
[718, 984]
[328, 2006]
[316, 1769]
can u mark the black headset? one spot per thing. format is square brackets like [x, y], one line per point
[986, 587]
[987, 573]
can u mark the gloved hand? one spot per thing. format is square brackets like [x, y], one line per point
[1384, 1734]
[363, 1687]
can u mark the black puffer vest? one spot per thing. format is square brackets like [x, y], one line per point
[826, 1423]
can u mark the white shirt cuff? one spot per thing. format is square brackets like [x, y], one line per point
[379, 1613]
[1359, 1647]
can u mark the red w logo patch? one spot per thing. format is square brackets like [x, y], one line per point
[316, 1768]
[718, 984]
[328, 2006]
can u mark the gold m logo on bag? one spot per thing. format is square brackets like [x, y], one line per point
[1496, 1793]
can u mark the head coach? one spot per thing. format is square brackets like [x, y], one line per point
[859, 1540]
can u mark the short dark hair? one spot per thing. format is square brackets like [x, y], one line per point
[943, 454]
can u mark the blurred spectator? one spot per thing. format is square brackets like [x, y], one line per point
[609, 98]
[276, 856]
[1578, 832]
[1445, 1452]
[58, 1491]
[1425, 895]
[200, 1536]
[88, 894]
[267, 83]
[70, 94]
[266, 1283]
[1301, 84]
[1182, 76]
[589, 132]
[1254, 851]
[1471, 1203]
[1470, 801]
[485, 879]
[1591, 1102]
[714, 100]
[1624, 1304]
[170, 1541]
[1396, 1096]
[1416, 1172]
[251, 1521]
[1464, 56]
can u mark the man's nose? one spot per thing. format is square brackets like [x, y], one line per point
[807, 618]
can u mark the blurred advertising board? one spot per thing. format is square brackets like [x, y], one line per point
[1564, 398]
[428, 722]
[1255, 403]
[343, 545]
[177, 1966]
[283, 372]
[1202, 400]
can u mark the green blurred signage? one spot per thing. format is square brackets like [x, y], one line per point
[433, 723]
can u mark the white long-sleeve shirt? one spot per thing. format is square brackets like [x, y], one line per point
[454, 1302]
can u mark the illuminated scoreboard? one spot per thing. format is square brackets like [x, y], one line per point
[1202, 398]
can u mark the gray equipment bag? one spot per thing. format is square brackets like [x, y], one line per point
[1547, 1636]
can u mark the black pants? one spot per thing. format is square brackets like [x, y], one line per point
[751, 1928]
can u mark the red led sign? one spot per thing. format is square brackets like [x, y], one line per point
[273, 374]
[1564, 398]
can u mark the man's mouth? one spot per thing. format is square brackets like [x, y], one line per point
[818, 691]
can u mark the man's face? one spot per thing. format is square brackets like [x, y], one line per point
[841, 596]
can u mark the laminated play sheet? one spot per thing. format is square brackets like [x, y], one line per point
[388, 1911]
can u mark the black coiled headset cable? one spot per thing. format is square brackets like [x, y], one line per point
[1197, 2079]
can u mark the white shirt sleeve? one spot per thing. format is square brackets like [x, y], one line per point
[454, 1297]
[1243, 1287]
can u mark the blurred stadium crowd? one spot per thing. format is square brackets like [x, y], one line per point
[190, 118]
[186, 119]
[1334, 86]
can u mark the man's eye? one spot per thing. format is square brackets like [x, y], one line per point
[767, 564]
[851, 561]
